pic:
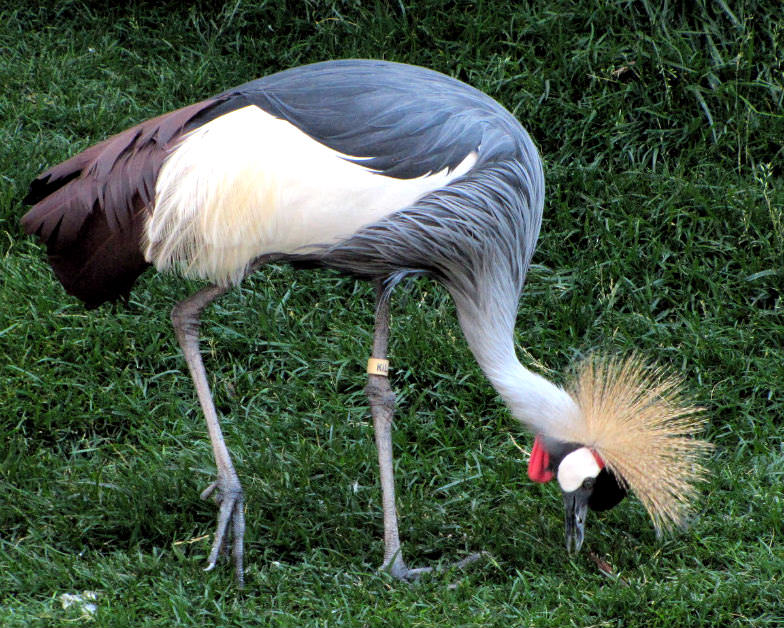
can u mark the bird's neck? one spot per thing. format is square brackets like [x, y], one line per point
[543, 406]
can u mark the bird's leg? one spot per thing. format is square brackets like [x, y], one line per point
[226, 490]
[382, 407]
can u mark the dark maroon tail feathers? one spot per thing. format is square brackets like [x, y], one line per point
[90, 210]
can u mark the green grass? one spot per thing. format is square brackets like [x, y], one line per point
[662, 133]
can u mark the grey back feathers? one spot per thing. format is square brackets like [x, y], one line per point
[401, 120]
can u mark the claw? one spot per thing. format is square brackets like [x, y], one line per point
[230, 512]
[398, 569]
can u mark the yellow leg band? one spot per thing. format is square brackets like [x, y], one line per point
[377, 366]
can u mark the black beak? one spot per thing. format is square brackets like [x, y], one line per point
[576, 507]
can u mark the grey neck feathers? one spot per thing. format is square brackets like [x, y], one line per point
[487, 294]
[544, 407]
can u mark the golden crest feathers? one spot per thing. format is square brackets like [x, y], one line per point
[636, 418]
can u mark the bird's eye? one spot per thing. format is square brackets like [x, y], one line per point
[588, 483]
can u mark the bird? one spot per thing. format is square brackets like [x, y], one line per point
[381, 171]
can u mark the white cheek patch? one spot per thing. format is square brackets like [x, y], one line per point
[575, 468]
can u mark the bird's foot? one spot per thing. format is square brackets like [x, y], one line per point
[227, 493]
[397, 568]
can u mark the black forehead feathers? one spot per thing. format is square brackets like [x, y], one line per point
[558, 450]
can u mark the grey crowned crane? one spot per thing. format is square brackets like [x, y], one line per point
[380, 170]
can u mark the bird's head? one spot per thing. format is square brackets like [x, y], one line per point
[633, 432]
[585, 483]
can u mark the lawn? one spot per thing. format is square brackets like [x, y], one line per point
[661, 126]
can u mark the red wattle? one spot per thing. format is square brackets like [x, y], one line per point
[598, 459]
[538, 463]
